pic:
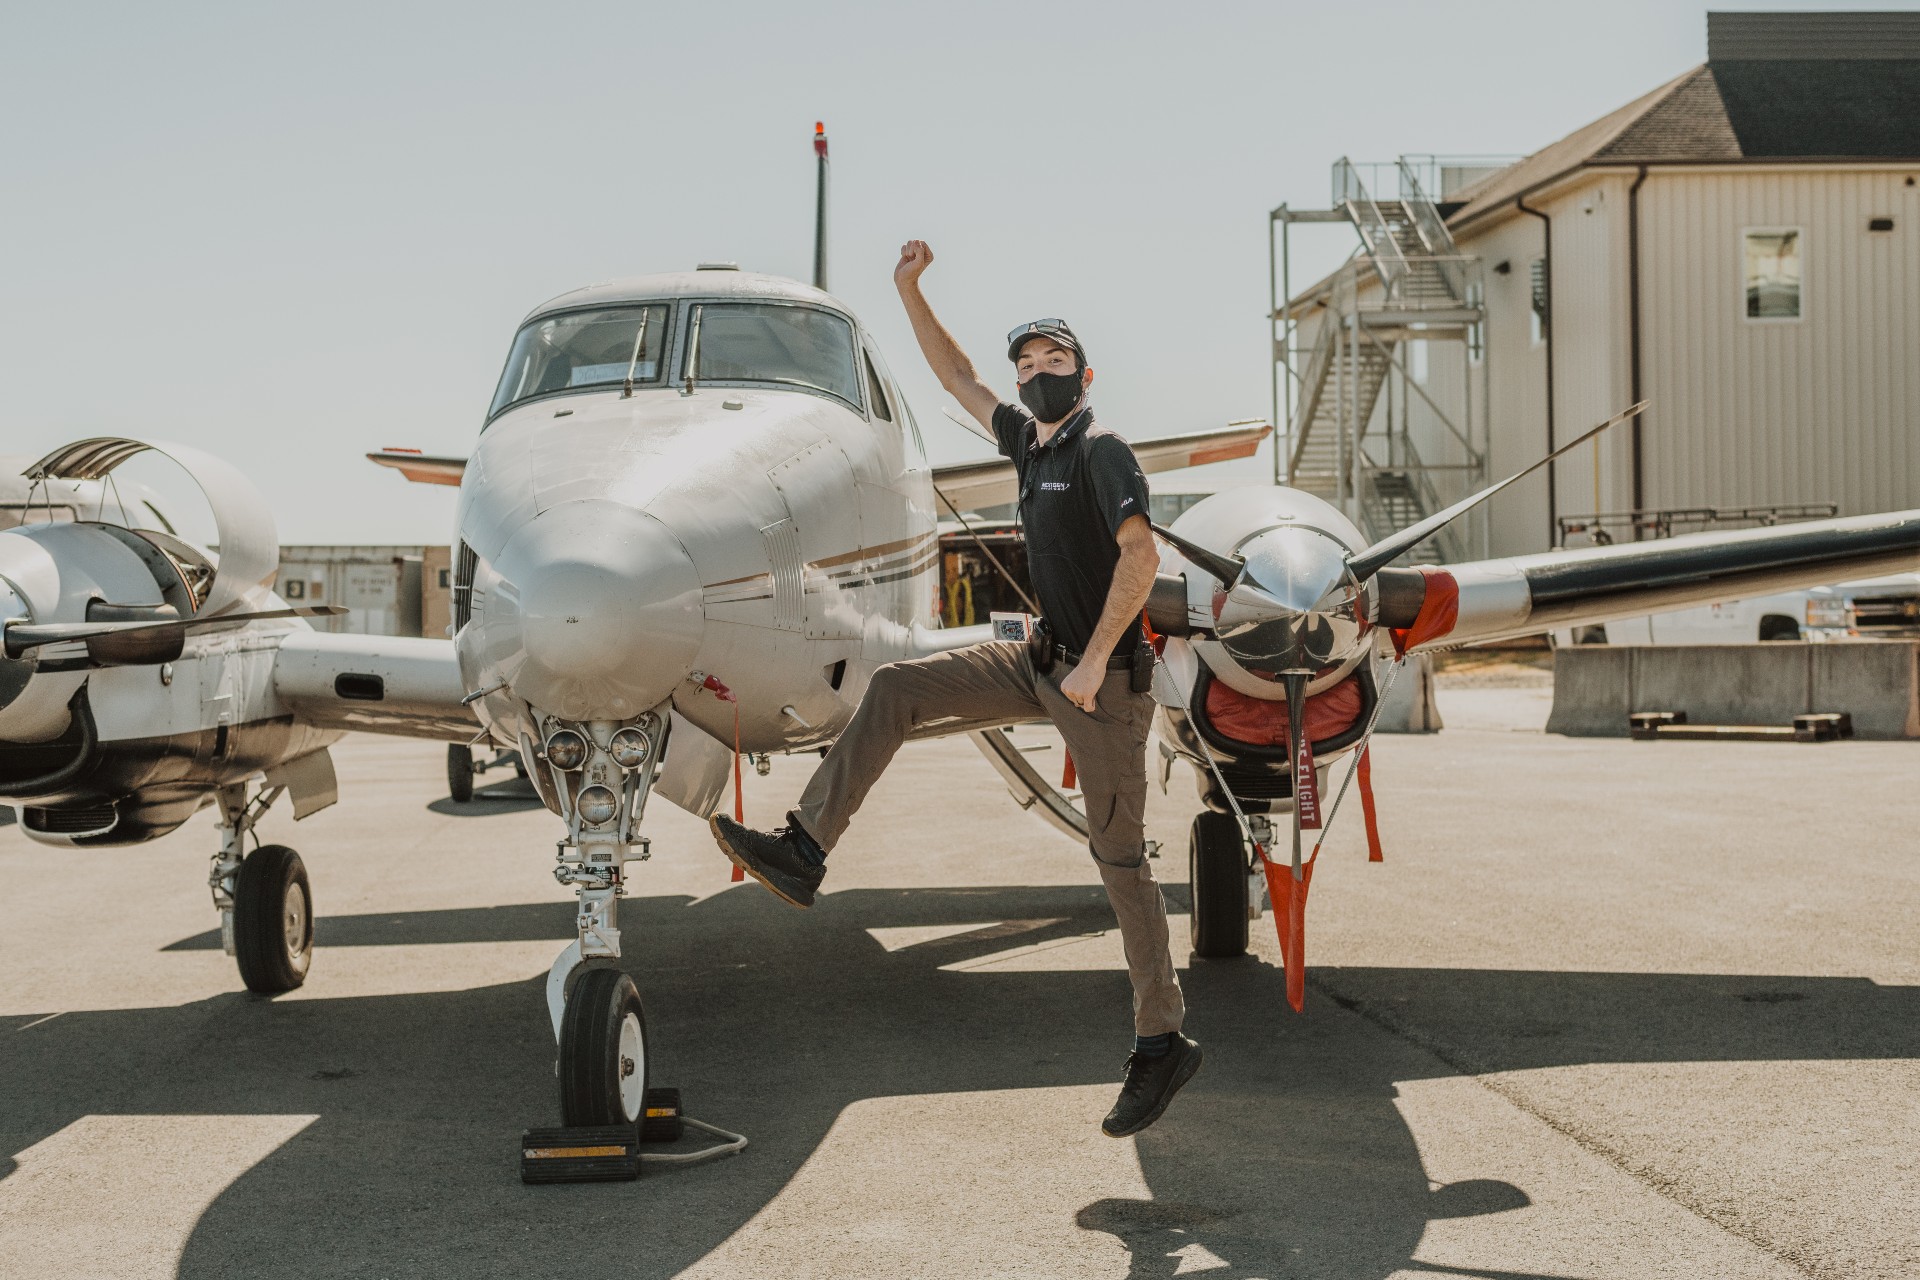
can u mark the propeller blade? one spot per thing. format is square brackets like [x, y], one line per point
[20, 637]
[1225, 568]
[1366, 563]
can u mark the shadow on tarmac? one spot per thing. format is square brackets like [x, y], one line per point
[1285, 1155]
[515, 795]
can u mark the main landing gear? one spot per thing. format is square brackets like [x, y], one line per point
[1225, 878]
[462, 769]
[602, 773]
[265, 901]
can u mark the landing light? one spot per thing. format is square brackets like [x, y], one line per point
[630, 747]
[566, 749]
[597, 805]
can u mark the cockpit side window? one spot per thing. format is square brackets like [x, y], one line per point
[603, 347]
[877, 393]
[770, 342]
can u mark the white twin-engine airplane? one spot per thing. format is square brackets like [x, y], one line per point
[699, 497]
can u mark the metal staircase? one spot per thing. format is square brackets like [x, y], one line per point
[1406, 282]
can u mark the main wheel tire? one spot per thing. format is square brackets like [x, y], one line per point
[460, 773]
[1776, 627]
[603, 1051]
[273, 920]
[1217, 876]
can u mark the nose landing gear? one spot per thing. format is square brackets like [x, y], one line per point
[1226, 882]
[603, 1051]
[602, 774]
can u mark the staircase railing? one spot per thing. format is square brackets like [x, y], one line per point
[1313, 385]
[1425, 496]
[1431, 228]
[1383, 247]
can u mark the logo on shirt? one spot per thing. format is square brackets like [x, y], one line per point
[1055, 486]
[1127, 501]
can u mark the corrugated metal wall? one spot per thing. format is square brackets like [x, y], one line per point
[1517, 386]
[1591, 334]
[1745, 413]
[1823, 408]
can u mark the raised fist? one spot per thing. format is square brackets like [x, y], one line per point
[915, 258]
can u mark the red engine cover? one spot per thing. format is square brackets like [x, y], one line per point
[1264, 724]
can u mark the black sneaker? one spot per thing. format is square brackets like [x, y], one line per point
[1150, 1086]
[774, 858]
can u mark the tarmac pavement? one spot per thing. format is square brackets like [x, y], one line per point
[1608, 1009]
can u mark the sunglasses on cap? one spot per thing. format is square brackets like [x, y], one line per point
[1052, 324]
[1050, 327]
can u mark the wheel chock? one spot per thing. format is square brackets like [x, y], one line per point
[609, 1153]
[661, 1120]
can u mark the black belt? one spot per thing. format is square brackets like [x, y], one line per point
[1116, 662]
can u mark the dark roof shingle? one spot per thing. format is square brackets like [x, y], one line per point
[1844, 108]
[1734, 110]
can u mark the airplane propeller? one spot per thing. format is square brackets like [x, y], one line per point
[1291, 599]
[1227, 568]
[139, 643]
[1382, 553]
[1366, 563]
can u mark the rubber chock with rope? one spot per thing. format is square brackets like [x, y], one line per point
[612, 1153]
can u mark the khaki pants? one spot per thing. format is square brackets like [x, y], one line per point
[1109, 746]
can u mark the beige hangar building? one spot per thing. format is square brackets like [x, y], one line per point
[1740, 247]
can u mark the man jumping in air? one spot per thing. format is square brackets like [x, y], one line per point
[1091, 554]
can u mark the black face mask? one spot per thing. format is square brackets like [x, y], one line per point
[1051, 396]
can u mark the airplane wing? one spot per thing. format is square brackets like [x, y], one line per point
[421, 468]
[972, 485]
[403, 686]
[1525, 595]
[966, 485]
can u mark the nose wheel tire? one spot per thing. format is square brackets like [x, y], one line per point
[603, 1051]
[460, 773]
[1217, 877]
[273, 920]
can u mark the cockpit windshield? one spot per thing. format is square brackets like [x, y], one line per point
[597, 348]
[768, 342]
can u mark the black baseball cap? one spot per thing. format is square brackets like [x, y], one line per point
[1052, 327]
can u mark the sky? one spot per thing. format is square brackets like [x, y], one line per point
[290, 234]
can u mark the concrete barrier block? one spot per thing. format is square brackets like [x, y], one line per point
[1877, 683]
[1723, 683]
[1595, 687]
[1409, 706]
[1590, 687]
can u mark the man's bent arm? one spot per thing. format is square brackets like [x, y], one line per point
[944, 356]
[1126, 597]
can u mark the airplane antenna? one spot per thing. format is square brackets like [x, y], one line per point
[820, 207]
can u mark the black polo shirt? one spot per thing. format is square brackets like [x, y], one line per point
[1075, 491]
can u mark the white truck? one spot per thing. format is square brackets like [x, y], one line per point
[1872, 608]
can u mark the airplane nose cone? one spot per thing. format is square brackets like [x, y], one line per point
[609, 611]
[1293, 609]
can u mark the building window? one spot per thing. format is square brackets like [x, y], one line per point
[1773, 273]
[1537, 280]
